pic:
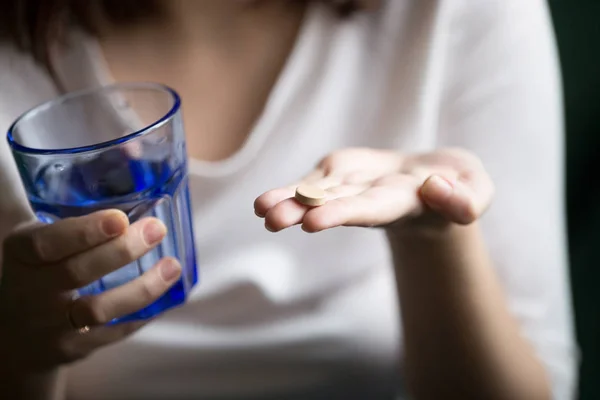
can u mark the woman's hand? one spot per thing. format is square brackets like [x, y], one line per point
[367, 187]
[445, 279]
[41, 326]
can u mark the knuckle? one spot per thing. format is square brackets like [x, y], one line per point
[90, 311]
[73, 273]
[85, 237]
[125, 251]
[39, 246]
[149, 289]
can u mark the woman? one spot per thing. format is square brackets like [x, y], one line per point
[391, 108]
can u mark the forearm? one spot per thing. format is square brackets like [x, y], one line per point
[460, 339]
[39, 386]
[17, 384]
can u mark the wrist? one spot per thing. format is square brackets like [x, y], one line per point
[433, 244]
[435, 230]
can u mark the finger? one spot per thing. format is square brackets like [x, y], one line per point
[284, 214]
[76, 346]
[424, 173]
[480, 184]
[104, 335]
[458, 201]
[84, 268]
[377, 206]
[268, 200]
[41, 244]
[290, 212]
[128, 298]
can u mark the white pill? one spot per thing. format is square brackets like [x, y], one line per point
[310, 195]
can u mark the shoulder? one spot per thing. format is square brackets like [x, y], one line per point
[510, 27]
[465, 19]
[23, 84]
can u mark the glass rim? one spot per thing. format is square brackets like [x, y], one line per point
[15, 146]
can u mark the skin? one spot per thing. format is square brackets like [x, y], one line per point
[428, 204]
[43, 264]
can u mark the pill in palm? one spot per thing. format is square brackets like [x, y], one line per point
[310, 195]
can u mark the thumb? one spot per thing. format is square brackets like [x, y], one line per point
[452, 199]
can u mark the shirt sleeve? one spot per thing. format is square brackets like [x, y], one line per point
[502, 101]
[14, 207]
[19, 82]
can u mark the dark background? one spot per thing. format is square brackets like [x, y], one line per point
[577, 24]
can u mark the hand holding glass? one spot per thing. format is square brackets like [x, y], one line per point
[120, 146]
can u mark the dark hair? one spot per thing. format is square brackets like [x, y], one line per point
[34, 25]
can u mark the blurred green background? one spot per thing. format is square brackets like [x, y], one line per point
[577, 24]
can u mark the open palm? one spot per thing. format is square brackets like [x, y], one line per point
[369, 187]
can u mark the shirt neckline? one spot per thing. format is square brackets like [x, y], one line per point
[278, 103]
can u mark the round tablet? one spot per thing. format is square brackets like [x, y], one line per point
[310, 195]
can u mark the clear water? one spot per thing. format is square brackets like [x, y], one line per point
[139, 188]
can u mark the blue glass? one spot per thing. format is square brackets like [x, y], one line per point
[120, 146]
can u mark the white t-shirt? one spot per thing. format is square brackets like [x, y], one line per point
[281, 313]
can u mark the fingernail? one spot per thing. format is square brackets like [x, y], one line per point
[170, 270]
[437, 187]
[258, 215]
[154, 232]
[113, 225]
[267, 227]
[305, 229]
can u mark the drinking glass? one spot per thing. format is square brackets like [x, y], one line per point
[120, 146]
